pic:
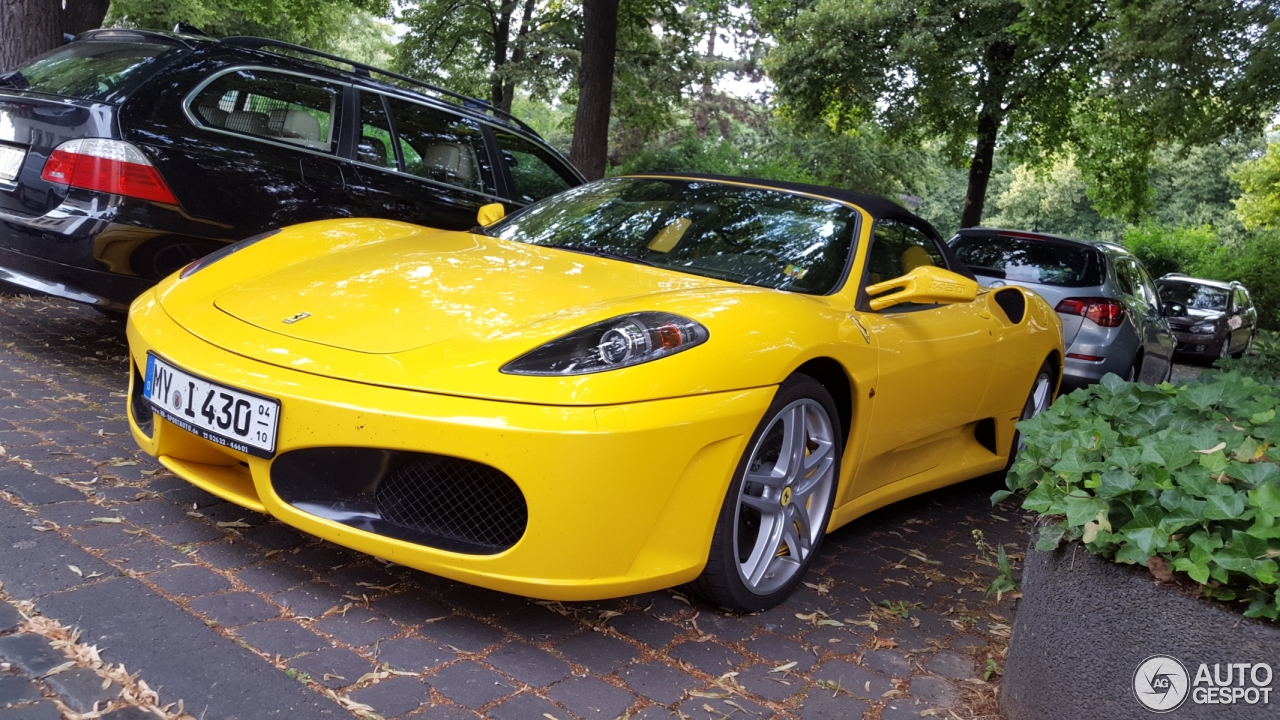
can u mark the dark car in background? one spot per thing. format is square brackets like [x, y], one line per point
[1209, 319]
[127, 154]
[1111, 314]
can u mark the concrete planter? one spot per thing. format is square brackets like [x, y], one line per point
[1085, 625]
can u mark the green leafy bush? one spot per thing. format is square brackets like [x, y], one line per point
[1185, 473]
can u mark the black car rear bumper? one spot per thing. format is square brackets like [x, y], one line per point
[93, 248]
[103, 289]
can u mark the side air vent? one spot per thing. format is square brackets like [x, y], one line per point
[1013, 302]
[984, 431]
[138, 406]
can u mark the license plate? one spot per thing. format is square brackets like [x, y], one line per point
[10, 161]
[239, 420]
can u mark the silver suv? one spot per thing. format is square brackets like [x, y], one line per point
[1110, 310]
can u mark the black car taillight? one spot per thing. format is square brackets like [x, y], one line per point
[110, 166]
[1103, 311]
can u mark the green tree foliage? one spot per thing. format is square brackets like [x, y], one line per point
[336, 25]
[488, 48]
[1108, 81]
[1049, 199]
[1259, 205]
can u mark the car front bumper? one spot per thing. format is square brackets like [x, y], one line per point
[621, 499]
[1205, 345]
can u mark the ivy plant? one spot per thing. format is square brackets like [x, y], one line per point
[1185, 473]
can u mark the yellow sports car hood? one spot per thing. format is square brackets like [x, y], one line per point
[399, 305]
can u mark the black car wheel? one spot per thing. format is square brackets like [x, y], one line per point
[1225, 350]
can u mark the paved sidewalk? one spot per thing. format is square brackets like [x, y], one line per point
[241, 617]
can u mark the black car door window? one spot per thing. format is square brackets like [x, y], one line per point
[290, 109]
[440, 146]
[374, 146]
[535, 172]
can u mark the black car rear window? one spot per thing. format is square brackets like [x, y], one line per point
[96, 70]
[1030, 260]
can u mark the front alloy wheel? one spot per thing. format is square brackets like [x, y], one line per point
[777, 509]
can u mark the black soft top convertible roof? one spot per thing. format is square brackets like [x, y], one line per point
[877, 206]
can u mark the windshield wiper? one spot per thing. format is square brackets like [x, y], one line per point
[603, 253]
[988, 271]
[14, 79]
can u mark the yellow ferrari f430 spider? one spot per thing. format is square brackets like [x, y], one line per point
[641, 382]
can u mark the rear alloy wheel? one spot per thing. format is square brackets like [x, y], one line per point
[1038, 400]
[776, 512]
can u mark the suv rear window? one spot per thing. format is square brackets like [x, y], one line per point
[95, 70]
[1034, 261]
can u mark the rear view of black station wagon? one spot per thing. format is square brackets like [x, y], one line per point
[127, 154]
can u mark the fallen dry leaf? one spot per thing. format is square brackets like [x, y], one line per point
[1159, 568]
[233, 523]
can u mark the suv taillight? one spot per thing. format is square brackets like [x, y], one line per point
[1103, 311]
[109, 166]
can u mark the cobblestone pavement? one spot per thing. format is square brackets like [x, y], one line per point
[240, 616]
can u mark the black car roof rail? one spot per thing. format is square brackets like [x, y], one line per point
[362, 69]
[134, 32]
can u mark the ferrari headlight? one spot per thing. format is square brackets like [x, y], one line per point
[617, 343]
[1202, 328]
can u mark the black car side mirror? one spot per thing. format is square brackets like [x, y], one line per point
[1173, 309]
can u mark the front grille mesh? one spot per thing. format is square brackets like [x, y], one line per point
[1014, 304]
[454, 499]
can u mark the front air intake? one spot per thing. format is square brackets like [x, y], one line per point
[431, 500]
[455, 500]
[1013, 303]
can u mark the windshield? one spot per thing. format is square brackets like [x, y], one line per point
[1194, 297]
[1028, 260]
[94, 70]
[753, 236]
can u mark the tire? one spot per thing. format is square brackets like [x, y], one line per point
[1248, 345]
[751, 565]
[1039, 398]
[1135, 369]
[1225, 350]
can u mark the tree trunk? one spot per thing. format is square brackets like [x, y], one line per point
[31, 27]
[998, 61]
[590, 147]
[501, 39]
[517, 55]
[28, 28]
[980, 170]
[82, 15]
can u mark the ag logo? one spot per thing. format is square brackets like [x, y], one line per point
[1161, 683]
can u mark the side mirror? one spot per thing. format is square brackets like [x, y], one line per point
[926, 284]
[490, 214]
[1173, 309]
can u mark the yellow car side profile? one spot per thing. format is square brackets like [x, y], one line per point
[643, 382]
